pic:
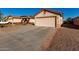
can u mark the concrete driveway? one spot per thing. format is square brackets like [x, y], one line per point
[23, 38]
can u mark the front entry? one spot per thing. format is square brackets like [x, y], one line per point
[25, 21]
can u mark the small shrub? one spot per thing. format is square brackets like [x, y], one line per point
[2, 25]
[31, 23]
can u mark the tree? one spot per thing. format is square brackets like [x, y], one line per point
[69, 20]
[1, 16]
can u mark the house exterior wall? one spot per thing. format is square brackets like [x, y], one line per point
[46, 14]
[14, 20]
[17, 20]
[50, 20]
[76, 22]
[32, 21]
[59, 21]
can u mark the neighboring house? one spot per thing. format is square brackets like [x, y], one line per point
[18, 19]
[76, 21]
[14, 19]
[49, 18]
[44, 18]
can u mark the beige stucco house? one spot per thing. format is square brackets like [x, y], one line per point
[14, 19]
[49, 18]
[18, 19]
[44, 18]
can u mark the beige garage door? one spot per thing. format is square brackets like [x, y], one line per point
[48, 22]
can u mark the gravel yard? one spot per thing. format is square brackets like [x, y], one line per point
[23, 38]
[66, 39]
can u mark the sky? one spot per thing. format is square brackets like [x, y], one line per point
[68, 12]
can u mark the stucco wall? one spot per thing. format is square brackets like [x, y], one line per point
[14, 20]
[32, 21]
[59, 21]
[46, 14]
[76, 22]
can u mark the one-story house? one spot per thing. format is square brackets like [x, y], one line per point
[76, 20]
[49, 18]
[46, 18]
[19, 19]
[14, 19]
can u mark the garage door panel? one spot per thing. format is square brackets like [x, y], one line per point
[49, 22]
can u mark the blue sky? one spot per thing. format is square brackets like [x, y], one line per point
[68, 12]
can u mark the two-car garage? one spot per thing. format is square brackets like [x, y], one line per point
[45, 21]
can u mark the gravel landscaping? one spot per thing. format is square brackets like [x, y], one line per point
[66, 39]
